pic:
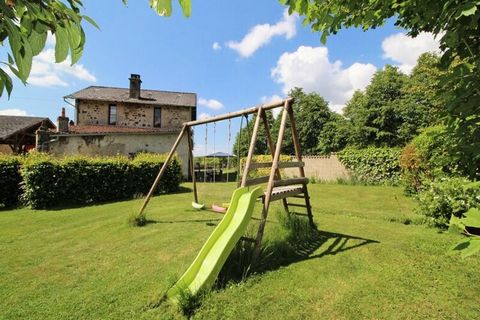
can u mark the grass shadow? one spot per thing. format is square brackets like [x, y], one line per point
[300, 242]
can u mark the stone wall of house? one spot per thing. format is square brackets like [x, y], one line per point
[130, 115]
[119, 144]
[324, 168]
[92, 112]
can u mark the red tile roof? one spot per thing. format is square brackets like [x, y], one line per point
[99, 129]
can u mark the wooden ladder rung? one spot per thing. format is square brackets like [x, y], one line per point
[299, 196]
[281, 165]
[256, 181]
[289, 182]
[297, 205]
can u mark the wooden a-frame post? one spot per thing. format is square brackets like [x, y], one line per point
[162, 170]
[276, 187]
[268, 192]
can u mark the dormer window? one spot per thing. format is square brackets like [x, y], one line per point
[112, 114]
[157, 117]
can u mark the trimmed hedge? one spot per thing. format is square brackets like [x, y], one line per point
[10, 180]
[378, 166]
[47, 181]
[441, 199]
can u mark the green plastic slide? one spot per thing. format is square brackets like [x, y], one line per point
[205, 268]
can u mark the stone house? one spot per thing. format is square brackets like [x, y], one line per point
[125, 121]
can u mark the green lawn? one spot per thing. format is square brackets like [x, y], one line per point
[86, 263]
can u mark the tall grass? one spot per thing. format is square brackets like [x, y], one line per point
[296, 240]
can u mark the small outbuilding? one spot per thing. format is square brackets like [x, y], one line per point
[17, 133]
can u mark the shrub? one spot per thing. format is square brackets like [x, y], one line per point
[82, 180]
[9, 181]
[426, 158]
[445, 197]
[372, 165]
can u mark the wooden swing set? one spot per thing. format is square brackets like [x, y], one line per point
[277, 188]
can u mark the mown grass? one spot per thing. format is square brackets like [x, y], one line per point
[87, 263]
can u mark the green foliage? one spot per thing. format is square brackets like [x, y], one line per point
[25, 24]
[388, 113]
[188, 302]
[135, 220]
[462, 115]
[447, 197]
[335, 135]
[466, 225]
[454, 22]
[311, 115]
[9, 181]
[319, 129]
[373, 165]
[428, 157]
[242, 140]
[52, 182]
[421, 100]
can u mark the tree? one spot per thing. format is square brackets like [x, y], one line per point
[421, 104]
[335, 134]
[311, 114]
[455, 22]
[25, 25]
[242, 139]
[376, 115]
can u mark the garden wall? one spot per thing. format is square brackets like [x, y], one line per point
[324, 168]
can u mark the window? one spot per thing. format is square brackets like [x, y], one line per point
[157, 117]
[112, 114]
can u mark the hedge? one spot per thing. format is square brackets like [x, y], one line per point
[378, 166]
[441, 199]
[47, 181]
[10, 180]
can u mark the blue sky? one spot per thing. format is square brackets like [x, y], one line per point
[232, 54]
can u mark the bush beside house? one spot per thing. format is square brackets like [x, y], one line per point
[10, 180]
[47, 181]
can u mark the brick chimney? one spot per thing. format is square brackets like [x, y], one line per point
[135, 86]
[62, 122]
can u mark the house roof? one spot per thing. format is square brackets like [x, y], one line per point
[11, 125]
[106, 129]
[153, 97]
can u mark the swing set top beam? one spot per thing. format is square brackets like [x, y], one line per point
[238, 113]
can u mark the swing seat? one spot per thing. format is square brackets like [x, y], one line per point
[198, 206]
[218, 208]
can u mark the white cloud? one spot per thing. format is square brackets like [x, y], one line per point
[311, 69]
[405, 50]
[272, 99]
[13, 112]
[210, 103]
[261, 35]
[46, 73]
[216, 46]
[204, 116]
